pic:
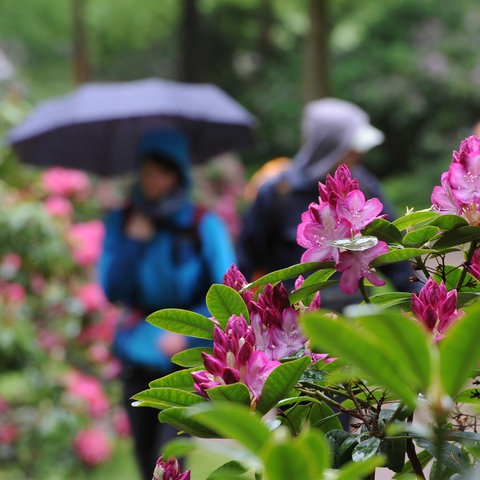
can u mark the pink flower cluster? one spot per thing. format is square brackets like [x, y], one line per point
[169, 470]
[93, 446]
[248, 353]
[65, 182]
[435, 307]
[86, 242]
[341, 214]
[459, 193]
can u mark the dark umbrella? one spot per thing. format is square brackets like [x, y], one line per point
[98, 126]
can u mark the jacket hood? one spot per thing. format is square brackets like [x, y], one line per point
[168, 143]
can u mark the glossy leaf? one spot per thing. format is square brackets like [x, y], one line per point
[183, 322]
[168, 397]
[308, 290]
[237, 392]
[448, 222]
[365, 350]
[398, 255]
[180, 418]
[324, 418]
[191, 357]
[451, 276]
[458, 236]
[359, 470]
[469, 395]
[181, 380]
[383, 230]
[233, 421]
[289, 272]
[391, 299]
[223, 302]
[280, 382]
[366, 449]
[417, 238]
[414, 219]
[286, 461]
[460, 351]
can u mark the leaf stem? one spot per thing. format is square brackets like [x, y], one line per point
[471, 251]
[363, 291]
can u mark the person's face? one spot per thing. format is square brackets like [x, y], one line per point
[157, 180]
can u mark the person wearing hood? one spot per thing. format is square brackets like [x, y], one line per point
[334, 132]
[160, 251]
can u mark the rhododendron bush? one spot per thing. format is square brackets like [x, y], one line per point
[304, 392]
[60, 413]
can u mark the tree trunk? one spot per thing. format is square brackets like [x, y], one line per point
[190, 51]
[316, 69]
[79, 53]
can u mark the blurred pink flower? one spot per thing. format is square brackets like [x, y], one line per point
[98, 352]
[91, 297]
[93, 446]
[8, 433]
[4, 406]
[10, 265]
[37, 283]
[50, 340]
[14, 292]
[86, 241]
[66, 182]
[88, 390]
[58, 207]
[121, 423]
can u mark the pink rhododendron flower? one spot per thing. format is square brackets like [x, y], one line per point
[235, 279]
[8, 433]
[66, 182]
[275, 323]
[88, 390]
[93, 446]
[355, 265]
[91, 297]
[121, 423]
[86, 239]
[342, 212]
[58, 207]
[459, 192]
[474, 268]
[319, 227]
[169, 470]
[358, 212]
[232, 360]
[435, 307]
[13, 292]
[10, 265]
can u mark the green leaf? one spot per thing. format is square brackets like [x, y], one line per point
[452, 457]
[378, 360]
[407, 473]
[310, 289]
[223, 302]
[229, 470]
[448, 222]
[460, 350]
[181, 380]
[458, 236]
[451, 276]
[399, 254]
[316, 449]
[233, 421]
[179, 417]
[415, 218]
[420, 237]
[324, 418]
[183, 322]
[336, 439]
[237, 393]
[285, 462]
[383, 230]
[391, 299]
[360, 470]
[168, 397]
[366, 449]
[191, 357]
[469, 395]
[280, 381]
[289, 272]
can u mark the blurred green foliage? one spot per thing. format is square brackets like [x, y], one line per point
[412, 65]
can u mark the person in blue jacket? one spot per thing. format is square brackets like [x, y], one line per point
[160, 251]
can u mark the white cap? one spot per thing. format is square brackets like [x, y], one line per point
[366, 137]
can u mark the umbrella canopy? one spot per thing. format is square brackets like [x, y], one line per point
[98, 126]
